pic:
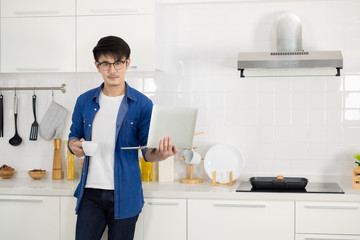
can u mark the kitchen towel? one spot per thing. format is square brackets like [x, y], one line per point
[53, 123]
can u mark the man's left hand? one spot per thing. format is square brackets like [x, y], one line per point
[161, 152]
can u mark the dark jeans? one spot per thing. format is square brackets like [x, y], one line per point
[96, 211]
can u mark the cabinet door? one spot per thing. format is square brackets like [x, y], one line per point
[165, 219]
[67, 217]
[29, 217]
[233, 220]
[327, 217]
[109, 7]
[68, 221]
[42, 44]
[137, 30]
[21, 8]
[325, 237]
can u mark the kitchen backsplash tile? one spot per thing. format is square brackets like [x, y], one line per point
[294, 126]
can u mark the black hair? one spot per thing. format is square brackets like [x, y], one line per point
[111, 46]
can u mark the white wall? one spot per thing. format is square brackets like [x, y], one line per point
[292, 126]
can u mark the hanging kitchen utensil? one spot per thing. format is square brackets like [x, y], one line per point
[51, 127]
[34, 126]
[16, 140]
[53, 123]
[1, 115]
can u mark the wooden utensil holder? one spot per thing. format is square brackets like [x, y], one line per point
[214, 183]
[356, 178]
[57, 164]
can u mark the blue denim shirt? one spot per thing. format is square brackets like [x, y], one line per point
[132, 127]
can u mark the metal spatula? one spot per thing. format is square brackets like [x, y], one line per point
[34, 126]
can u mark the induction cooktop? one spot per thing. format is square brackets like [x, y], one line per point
[310, 188]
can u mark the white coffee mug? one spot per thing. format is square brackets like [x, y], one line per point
[89, 148]
[192, 157]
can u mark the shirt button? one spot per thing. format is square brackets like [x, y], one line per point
[95, 109]
[131, 123]
[89, 125]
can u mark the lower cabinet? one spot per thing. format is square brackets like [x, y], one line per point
[233, 220]
[68, 218]
[68, 221]
[328, 218]
[53, 217]
[29, 217]
[164, 219]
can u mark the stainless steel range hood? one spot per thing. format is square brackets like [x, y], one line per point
[290, 59]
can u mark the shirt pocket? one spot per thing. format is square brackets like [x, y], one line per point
[129, 132]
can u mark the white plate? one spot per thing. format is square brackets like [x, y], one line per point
[224, 158]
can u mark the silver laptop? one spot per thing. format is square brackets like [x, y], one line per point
[176, 122]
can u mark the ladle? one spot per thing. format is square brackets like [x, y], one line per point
[16, 140]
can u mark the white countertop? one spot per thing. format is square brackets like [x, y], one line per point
[49, 187]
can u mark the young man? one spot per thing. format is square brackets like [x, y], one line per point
[114, 115]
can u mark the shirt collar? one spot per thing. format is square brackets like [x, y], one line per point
[129, 93]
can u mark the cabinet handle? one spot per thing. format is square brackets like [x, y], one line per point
[121, 10]
[37, 69]
[163, 203]
[21, 200]
[37, 12]
[311, 238]
[330, 207]
[248, 205]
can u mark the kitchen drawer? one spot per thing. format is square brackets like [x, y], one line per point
[325, 237]
[233, 220]
[164, 219]
[30, 217]
[114, 7]
[26, 8]
[327, 217]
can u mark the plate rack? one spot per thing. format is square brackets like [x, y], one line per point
[230, 183]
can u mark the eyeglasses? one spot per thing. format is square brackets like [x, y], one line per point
[119, 65]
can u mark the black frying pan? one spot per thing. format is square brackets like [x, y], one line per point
[293, 183]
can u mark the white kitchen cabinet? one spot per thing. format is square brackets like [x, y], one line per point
[165, 219]
[68, 218]
[137, 30]
[29, 217]
[38, 44]
[233, 220]
[68, 221]
[325, 237]
[109, 7]
[327, 217]
[22, 8]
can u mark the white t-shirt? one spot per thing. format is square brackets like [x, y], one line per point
[101, 166]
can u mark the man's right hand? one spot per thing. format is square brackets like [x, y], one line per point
[76, 147]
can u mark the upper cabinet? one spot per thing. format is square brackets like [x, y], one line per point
[38, 36]
[114, 7]
[137, 30]
[25, 8]
[35, 44]
[51, 36]
[133, 21]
